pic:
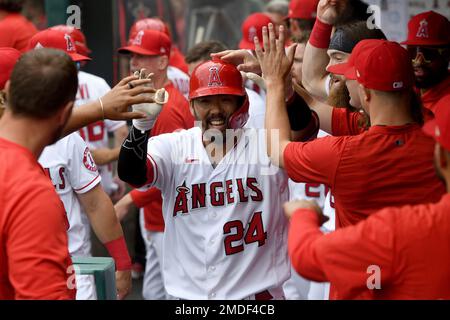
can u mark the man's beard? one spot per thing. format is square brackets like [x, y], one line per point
[430, 79]
[339, 96]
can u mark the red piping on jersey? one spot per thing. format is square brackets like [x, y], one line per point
[155, 169]
[88, 184]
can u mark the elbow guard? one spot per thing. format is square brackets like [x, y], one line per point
[132, 165]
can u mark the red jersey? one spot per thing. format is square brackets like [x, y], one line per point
[34, 254]
[384, 166]
[175, 115]
[409, 248]
[346, 123]
[16, 31]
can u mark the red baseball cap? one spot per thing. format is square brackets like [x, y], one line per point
[149, 43]
[378, 64]
[303, 9]
[8, 59]
[439, 127]
[77, 36]
[58, 40]
[148, 24]
[347, 69]
[428, 29]
[251, 28]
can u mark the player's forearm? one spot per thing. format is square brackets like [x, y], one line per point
[277, 121]
[82, 116]
[302, 245]
[314, 72]
[132, 165]
[123, 206]
[108, 229]
[315, 60]
[101, 214]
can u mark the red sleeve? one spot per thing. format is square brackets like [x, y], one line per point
[144, 198]
[37, 246]
[315, 161]
[346, 123]
[345, 257]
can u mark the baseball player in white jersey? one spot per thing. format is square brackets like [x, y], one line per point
[91, 88]
[74, 174]
[225, 234]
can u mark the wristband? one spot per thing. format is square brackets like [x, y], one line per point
[320, 35]
[119, 252]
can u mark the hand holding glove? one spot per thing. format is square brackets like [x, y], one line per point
[152, 110]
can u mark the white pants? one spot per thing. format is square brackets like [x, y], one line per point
[153, 285]
[298, 288]
[86, 289]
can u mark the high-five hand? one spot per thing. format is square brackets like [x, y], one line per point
[275, 63]
[328, 11]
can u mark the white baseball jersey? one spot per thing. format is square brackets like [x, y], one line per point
[90, 88]
[179, 79]
[225, 230]
[256, 110]
[73, 171]
[253, 86]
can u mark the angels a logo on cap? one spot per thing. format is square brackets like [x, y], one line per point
[138, 40]
[214, 78]
[70, 45]
[423, 29]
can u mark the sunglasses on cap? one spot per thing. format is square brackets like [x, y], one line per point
[428, 53]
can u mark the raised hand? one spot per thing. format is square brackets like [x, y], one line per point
[242, 59]
[275, 63]
[117, 101]
[329, 11]
[151, 110]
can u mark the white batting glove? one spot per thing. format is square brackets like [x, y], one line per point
[152, 110]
